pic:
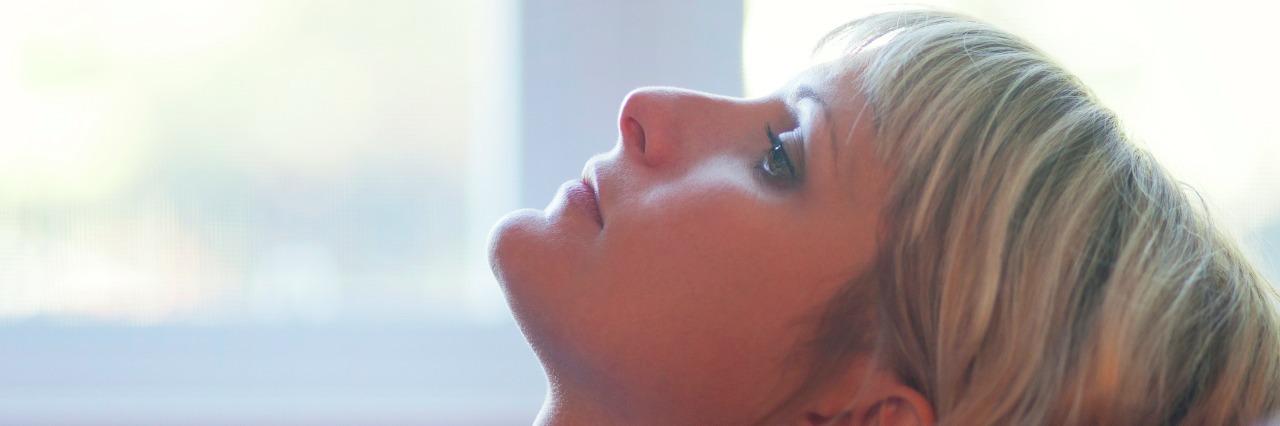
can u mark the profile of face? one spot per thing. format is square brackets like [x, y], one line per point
[677, 278]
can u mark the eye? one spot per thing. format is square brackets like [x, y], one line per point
[776, 165]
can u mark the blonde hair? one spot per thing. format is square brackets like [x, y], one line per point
[1037, 267]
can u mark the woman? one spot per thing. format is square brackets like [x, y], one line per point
[939, 226]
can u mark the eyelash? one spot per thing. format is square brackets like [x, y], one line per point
[776, 164]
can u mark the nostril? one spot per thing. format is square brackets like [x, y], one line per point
[634, 132]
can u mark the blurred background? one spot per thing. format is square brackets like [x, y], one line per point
[275, 212]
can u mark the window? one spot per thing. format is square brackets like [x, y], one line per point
[237, 162]
[246, 210]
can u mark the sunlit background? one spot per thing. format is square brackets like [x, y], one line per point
[276, 210]
[233, 161]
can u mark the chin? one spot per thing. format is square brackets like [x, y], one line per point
[519, 254]
[512, 244]
[536, 262]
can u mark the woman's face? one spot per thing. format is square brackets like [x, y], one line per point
[712, 250]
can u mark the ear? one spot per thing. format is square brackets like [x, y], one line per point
[869, 396]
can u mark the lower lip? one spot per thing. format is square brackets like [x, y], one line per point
[583, 198]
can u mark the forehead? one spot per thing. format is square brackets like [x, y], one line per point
[836, 86]
[847, 132]
[834, 82]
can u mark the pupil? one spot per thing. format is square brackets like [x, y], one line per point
[777, 162]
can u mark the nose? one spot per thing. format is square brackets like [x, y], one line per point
[638, 121]
[655, 123]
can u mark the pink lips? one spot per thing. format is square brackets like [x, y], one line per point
[584, 197]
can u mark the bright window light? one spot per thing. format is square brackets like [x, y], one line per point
[241, 162]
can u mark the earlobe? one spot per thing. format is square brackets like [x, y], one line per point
[869, 396]
[899, 412]
[889, 412]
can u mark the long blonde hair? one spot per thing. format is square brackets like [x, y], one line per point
[1036, 266]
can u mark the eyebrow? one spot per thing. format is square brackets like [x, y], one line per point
[805, 91]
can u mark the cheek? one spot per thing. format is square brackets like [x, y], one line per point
[705, 288]
[702, 230]
[719, 229]
[714, 256]
[701, 306]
